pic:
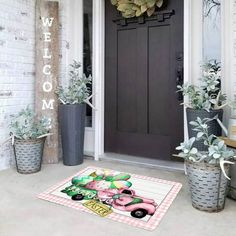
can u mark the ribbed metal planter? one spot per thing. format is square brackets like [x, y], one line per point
[232, 184]
[208, 186]
[214, 127]
[72, 121]
[28, 155]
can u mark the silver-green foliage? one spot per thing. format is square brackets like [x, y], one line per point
[132, 8]
[25, 125]
[217, 150]
[208, 95]
[77, 91]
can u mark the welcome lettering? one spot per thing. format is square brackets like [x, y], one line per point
[47, 85]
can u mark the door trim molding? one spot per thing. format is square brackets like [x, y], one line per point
[99, 75]
[99, 66]
[187, 53]
[159, 16]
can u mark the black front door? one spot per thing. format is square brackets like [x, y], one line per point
[144, 60]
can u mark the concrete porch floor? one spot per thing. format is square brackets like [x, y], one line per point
[22, 214]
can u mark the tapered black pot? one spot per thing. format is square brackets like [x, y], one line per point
[214, 127]
[72, 121]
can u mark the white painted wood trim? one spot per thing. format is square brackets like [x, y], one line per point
[193, 37]
[196, 37]
[227, 52]
[98, 74]
[75, 31]
[75, 37]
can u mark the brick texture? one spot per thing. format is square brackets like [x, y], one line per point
[17, 63]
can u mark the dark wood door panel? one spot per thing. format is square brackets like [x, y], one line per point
[142, 113]
[144, 145]
[126, 81]
[159, 79]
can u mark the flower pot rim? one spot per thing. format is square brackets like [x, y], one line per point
[192, 109]
[30, 140]
[203, 163]
[77, 104]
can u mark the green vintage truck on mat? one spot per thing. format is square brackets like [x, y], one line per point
[79, 193]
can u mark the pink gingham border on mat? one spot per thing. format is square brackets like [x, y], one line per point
[151, 224]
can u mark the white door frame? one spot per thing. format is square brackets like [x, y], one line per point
[192, 13]
[228, 55]
[99, 75]
[74, 37]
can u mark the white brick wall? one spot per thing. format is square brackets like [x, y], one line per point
[17, 62]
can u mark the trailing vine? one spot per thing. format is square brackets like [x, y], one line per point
[136, 8]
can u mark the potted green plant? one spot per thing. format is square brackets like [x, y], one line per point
[205, 100]
[208, 171]
[72, 111]
[28, 137]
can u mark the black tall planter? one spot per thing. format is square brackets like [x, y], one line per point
[214, 127]
[72, 120]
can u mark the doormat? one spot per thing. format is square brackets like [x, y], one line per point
[140, 201]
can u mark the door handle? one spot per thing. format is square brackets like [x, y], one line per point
[180, 80]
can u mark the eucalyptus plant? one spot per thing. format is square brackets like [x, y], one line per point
[26, 125]
[217, 150]
[208, 95]
[132, 8]
[78, 90]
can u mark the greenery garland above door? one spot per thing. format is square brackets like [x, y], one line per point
[136, 8]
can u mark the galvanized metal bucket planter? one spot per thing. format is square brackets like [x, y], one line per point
[208, 185]
[214, 127]
[28, 155]
[232, 184]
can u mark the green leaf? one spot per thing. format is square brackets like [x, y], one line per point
[216, 155]
[139, 2]
[138, 13]
[143, 8]
[194, 151]
[151, 3]
[193, 123]
[159, 3]
[221, 144]
[150, 11]
[186, 151]
[113, 2]
[125, 1]
[200, 134]
[125, 7]
[128, 14]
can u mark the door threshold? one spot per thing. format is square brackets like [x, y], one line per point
[144, 162]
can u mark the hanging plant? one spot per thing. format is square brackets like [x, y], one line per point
[132, 8]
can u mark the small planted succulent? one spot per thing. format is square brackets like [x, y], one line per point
[208, 95]
[217, 150]
[77, 91]
[25, 125]
[136, 8]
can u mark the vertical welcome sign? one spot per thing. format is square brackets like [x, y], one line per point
[47, 66]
